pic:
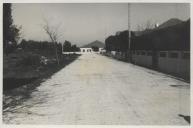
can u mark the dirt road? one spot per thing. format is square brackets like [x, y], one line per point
[95, 89]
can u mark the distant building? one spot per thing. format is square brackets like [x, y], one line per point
[86, 50]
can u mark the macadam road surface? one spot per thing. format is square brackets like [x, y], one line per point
[95, 89]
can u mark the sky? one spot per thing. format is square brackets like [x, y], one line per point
[83, 23]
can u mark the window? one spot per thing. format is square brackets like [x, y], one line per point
[173, 55]
[83, 50]
[162, 54]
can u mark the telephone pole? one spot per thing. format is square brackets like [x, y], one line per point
[129, 35]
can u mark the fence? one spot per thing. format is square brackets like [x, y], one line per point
[176, 63]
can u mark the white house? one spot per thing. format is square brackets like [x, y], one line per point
[86, 50]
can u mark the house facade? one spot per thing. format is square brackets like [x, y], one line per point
[86, 50]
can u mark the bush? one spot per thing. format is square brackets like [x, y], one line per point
[30, 60]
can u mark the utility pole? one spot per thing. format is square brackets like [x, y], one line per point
[129, 35]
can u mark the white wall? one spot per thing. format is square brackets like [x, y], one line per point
[177, 66]
[86, 50]
[143, 60]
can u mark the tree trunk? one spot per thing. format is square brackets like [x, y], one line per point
[56, 53]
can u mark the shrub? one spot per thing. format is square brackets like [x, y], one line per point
[30, 60]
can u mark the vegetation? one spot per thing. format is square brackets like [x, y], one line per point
[95, 48]
[46, 46]
[176, 37]
[68, 47]
[118, 42]
[24, 65]
[53, 34]
[29, 60]
[11, 32]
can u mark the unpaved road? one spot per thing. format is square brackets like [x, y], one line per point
[95, 89]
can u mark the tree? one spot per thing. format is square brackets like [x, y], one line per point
[52, 32]
[67, 46]
[111, 43]
[95, 48]
[140, 28]
[23, 44]
[147, 26]
[123, 41]
[75, 48]
[11, 33]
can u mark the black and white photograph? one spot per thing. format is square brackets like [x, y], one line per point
[122, 63]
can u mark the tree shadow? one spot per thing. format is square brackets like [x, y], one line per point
[187, 118]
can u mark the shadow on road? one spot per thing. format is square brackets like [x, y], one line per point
[187, 118]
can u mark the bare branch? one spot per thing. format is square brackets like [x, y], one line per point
[52, 32]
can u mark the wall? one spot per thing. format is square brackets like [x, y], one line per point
[176, 63]
[178, 66]
[142, 58]
[86, 50]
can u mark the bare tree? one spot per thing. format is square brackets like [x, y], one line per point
[139, 28]
[147, 26]
[52, 32]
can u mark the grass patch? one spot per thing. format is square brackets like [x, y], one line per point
[24, 67]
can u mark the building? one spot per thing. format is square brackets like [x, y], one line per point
[86, 50]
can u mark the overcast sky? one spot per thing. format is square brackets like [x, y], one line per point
[84, 23]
